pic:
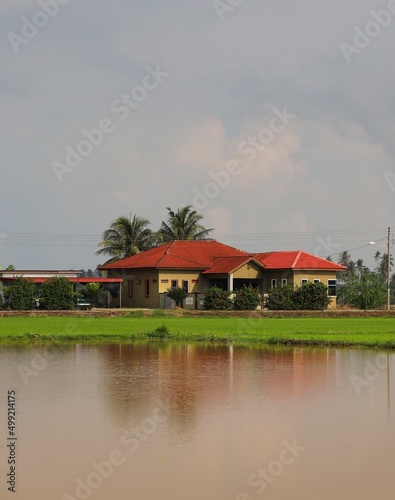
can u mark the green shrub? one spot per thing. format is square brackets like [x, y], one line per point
[247, 298]
[177, 294]
[57, 294]
[216, 299]
[21, 295]
[310, 296]
[281, 299]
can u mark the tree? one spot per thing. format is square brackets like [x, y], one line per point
[344, 258]
[183, 225]
[216, 299]
[57, 294]
[365, 291]
[247, 298]
[360, 268]
[177, 294]
[382, 268]
[93, 293]
[21, 295]
[126, 236]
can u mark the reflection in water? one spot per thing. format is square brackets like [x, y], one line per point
[200, 421]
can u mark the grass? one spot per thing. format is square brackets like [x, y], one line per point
[361, 332]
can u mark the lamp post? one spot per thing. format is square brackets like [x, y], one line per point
[388, 266]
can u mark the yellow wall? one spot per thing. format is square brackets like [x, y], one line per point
[249, 271]
[138, 277]
[180, 276]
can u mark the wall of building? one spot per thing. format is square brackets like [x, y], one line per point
[249, 271]
[195, 282]
[135, 286]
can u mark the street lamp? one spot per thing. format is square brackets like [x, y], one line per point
[388, 266]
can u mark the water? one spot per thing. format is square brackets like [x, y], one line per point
[152, 421]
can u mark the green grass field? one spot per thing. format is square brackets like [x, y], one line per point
[363, 332]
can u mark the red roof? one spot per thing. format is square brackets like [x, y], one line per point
[179, 255]
[227, 265]
[73, 280]
[296, 259]
[213, 257]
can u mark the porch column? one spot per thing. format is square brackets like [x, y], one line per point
[230, 282]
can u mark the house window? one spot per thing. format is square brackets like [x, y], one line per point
[164, 281]
[304, 281]
[174, 283]
[273, 283]
[284, 282]
[316, 281]
[146, 287]
[332, 288]
[185, 285]
[130, 288]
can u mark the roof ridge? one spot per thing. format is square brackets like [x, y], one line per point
[296, 259]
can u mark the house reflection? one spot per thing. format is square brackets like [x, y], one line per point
[191, 377]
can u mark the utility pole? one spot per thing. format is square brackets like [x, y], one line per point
[389, 270]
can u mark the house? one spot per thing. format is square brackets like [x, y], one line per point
[196, 265]
[113, 285]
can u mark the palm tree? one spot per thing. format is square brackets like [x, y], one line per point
[377, 256]
[360, 267]
[126, 236]
[183, 225]
[344, 258]
[382, 268]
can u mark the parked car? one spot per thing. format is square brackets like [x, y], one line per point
[83, 304]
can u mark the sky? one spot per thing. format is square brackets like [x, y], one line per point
[275, 119]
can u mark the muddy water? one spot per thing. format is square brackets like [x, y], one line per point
[152, 421]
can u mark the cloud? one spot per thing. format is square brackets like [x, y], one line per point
[225, 79]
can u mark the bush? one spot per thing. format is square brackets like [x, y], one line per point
[310, 296]
[57, 294]
[216, 299]
[177, 294]
[247, 298]
[281, 299]
[21, 295]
